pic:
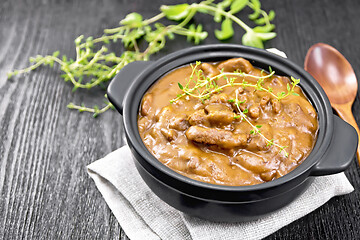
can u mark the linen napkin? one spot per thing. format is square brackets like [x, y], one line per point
[143, 215]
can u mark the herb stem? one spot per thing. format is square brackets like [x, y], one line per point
[144, 23]
[226, 14]
[255, 129]
[207, 81]
[93, 67]
[95, 110]
[167, 30]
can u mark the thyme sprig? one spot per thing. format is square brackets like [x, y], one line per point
[95, 66]
[256, 128]
[206, 86]
[290, 90]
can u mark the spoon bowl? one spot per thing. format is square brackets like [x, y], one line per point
[336, 76]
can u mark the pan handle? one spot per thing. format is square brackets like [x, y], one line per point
[341, 151]
[122, 82]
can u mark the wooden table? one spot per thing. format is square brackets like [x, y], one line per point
[45, 192]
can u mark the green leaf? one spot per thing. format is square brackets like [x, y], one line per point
[252, 40]
[295, 81]
[295, 94]
[224, 4]
[266, 19]
[107, 41]
[281, 94]
[180, 86]
[70, 105]
[238, 5]
[227, 30]
[271, 15]
[258, 126]
[171, 35]
[260, 21]
[254, 15]
[256, 3]
[55, 54]
[221, 6]
[256, 6]
[176, 12]
[10, 74]
[134, 19]
[288, 87]
[217, 17]
[270, 143]
[89, 42]
[264, 29]
[196, 33]
[78, 39]
[132, 36]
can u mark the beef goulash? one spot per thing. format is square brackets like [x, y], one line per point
[228, 123]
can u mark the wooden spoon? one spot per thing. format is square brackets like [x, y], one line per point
[336, 76]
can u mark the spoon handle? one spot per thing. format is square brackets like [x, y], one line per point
[344, 111]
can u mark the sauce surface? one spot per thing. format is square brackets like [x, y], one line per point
[208, 140]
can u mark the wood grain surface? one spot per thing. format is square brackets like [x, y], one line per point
[45, 192]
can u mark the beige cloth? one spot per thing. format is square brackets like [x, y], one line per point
[143, 215]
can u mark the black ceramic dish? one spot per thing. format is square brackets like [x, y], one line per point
[334, 149]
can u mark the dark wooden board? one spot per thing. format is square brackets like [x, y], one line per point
[45, 192]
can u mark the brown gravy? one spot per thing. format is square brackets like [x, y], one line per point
[207, 140]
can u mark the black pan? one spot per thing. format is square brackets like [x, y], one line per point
[333, 152]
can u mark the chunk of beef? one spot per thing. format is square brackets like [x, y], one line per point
[236, 64]
[219, 114]
[222, 138]
[167, 117]
[170, 134]
[300, 119]
[255, 163]
[279, 82]
[146, 104]
[276, 105]
[163, 115]
[209, 70]
[199, 118]
[268, 176]
[307, 107]
[218, 98]
[264, 100]
[254, 111]
[193, 162]
[179, 122]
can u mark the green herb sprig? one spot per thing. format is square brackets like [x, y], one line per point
[95, 66]
[290, 90]
[204, 87]
[256, 128]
